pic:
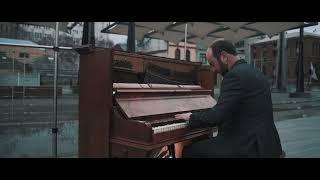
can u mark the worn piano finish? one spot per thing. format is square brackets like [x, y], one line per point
[132, 117]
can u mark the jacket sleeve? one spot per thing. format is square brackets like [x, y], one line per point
[228, 102]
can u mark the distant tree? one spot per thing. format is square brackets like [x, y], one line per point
[48, 41]
[144, 43]
[109, 44]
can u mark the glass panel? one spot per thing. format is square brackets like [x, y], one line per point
[26, 95]
[68, 103]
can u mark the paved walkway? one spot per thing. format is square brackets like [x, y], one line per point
[300, 138]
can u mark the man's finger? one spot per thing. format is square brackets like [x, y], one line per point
[178, 116]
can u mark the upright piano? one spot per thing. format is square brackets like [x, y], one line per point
[136, 118]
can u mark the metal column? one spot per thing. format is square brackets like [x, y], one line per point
[88, 35]
[185, 41]
[131, 44]
[300, 73]
[282, 64]
[55, 128]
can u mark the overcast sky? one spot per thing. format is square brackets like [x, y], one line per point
[311, 29]
[118, 38]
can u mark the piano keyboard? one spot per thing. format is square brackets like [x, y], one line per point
[169, 127]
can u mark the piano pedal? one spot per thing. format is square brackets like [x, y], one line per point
[167, 156]
[214, 132]
[162, 154]
[167, 152]
[172, 151]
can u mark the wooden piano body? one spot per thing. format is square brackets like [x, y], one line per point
[134, 116]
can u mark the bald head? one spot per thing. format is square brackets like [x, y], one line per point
[221, 55]
[212, 61]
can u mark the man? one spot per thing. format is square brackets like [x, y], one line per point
[243, 113]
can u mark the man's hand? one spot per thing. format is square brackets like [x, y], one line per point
[185, 116]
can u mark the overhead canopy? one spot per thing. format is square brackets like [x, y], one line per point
[204, 33]
[236, 35]
[234, 25]
[198, 28]
[159, 26]
[171, 36]
[205, 41]
[123, 29]
[272, 28]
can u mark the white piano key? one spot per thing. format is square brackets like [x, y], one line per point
[169, 127]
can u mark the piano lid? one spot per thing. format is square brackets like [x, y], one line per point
[163, 103]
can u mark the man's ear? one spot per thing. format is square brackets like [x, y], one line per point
[224, 57]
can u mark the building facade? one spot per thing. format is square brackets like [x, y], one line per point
[22, 54]
[8, 29]
[264, 55]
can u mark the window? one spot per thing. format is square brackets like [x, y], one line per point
[297, 48]
[2, 55]
[254, 52]
[254, 55]
[203, 58]
[188, 55]
[264, 70]
[177, 54]
[239, 44]
[316, 48]
[275, 45]
[23, 55]
[264, 54]
[313, 48]
[1, 28]
[314, 51]
[275, 53]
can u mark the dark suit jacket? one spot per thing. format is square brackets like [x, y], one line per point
[243, 114]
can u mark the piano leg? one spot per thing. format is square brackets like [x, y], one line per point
[171, 151]
[179, 148]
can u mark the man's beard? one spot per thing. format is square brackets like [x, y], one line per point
[223, 68]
